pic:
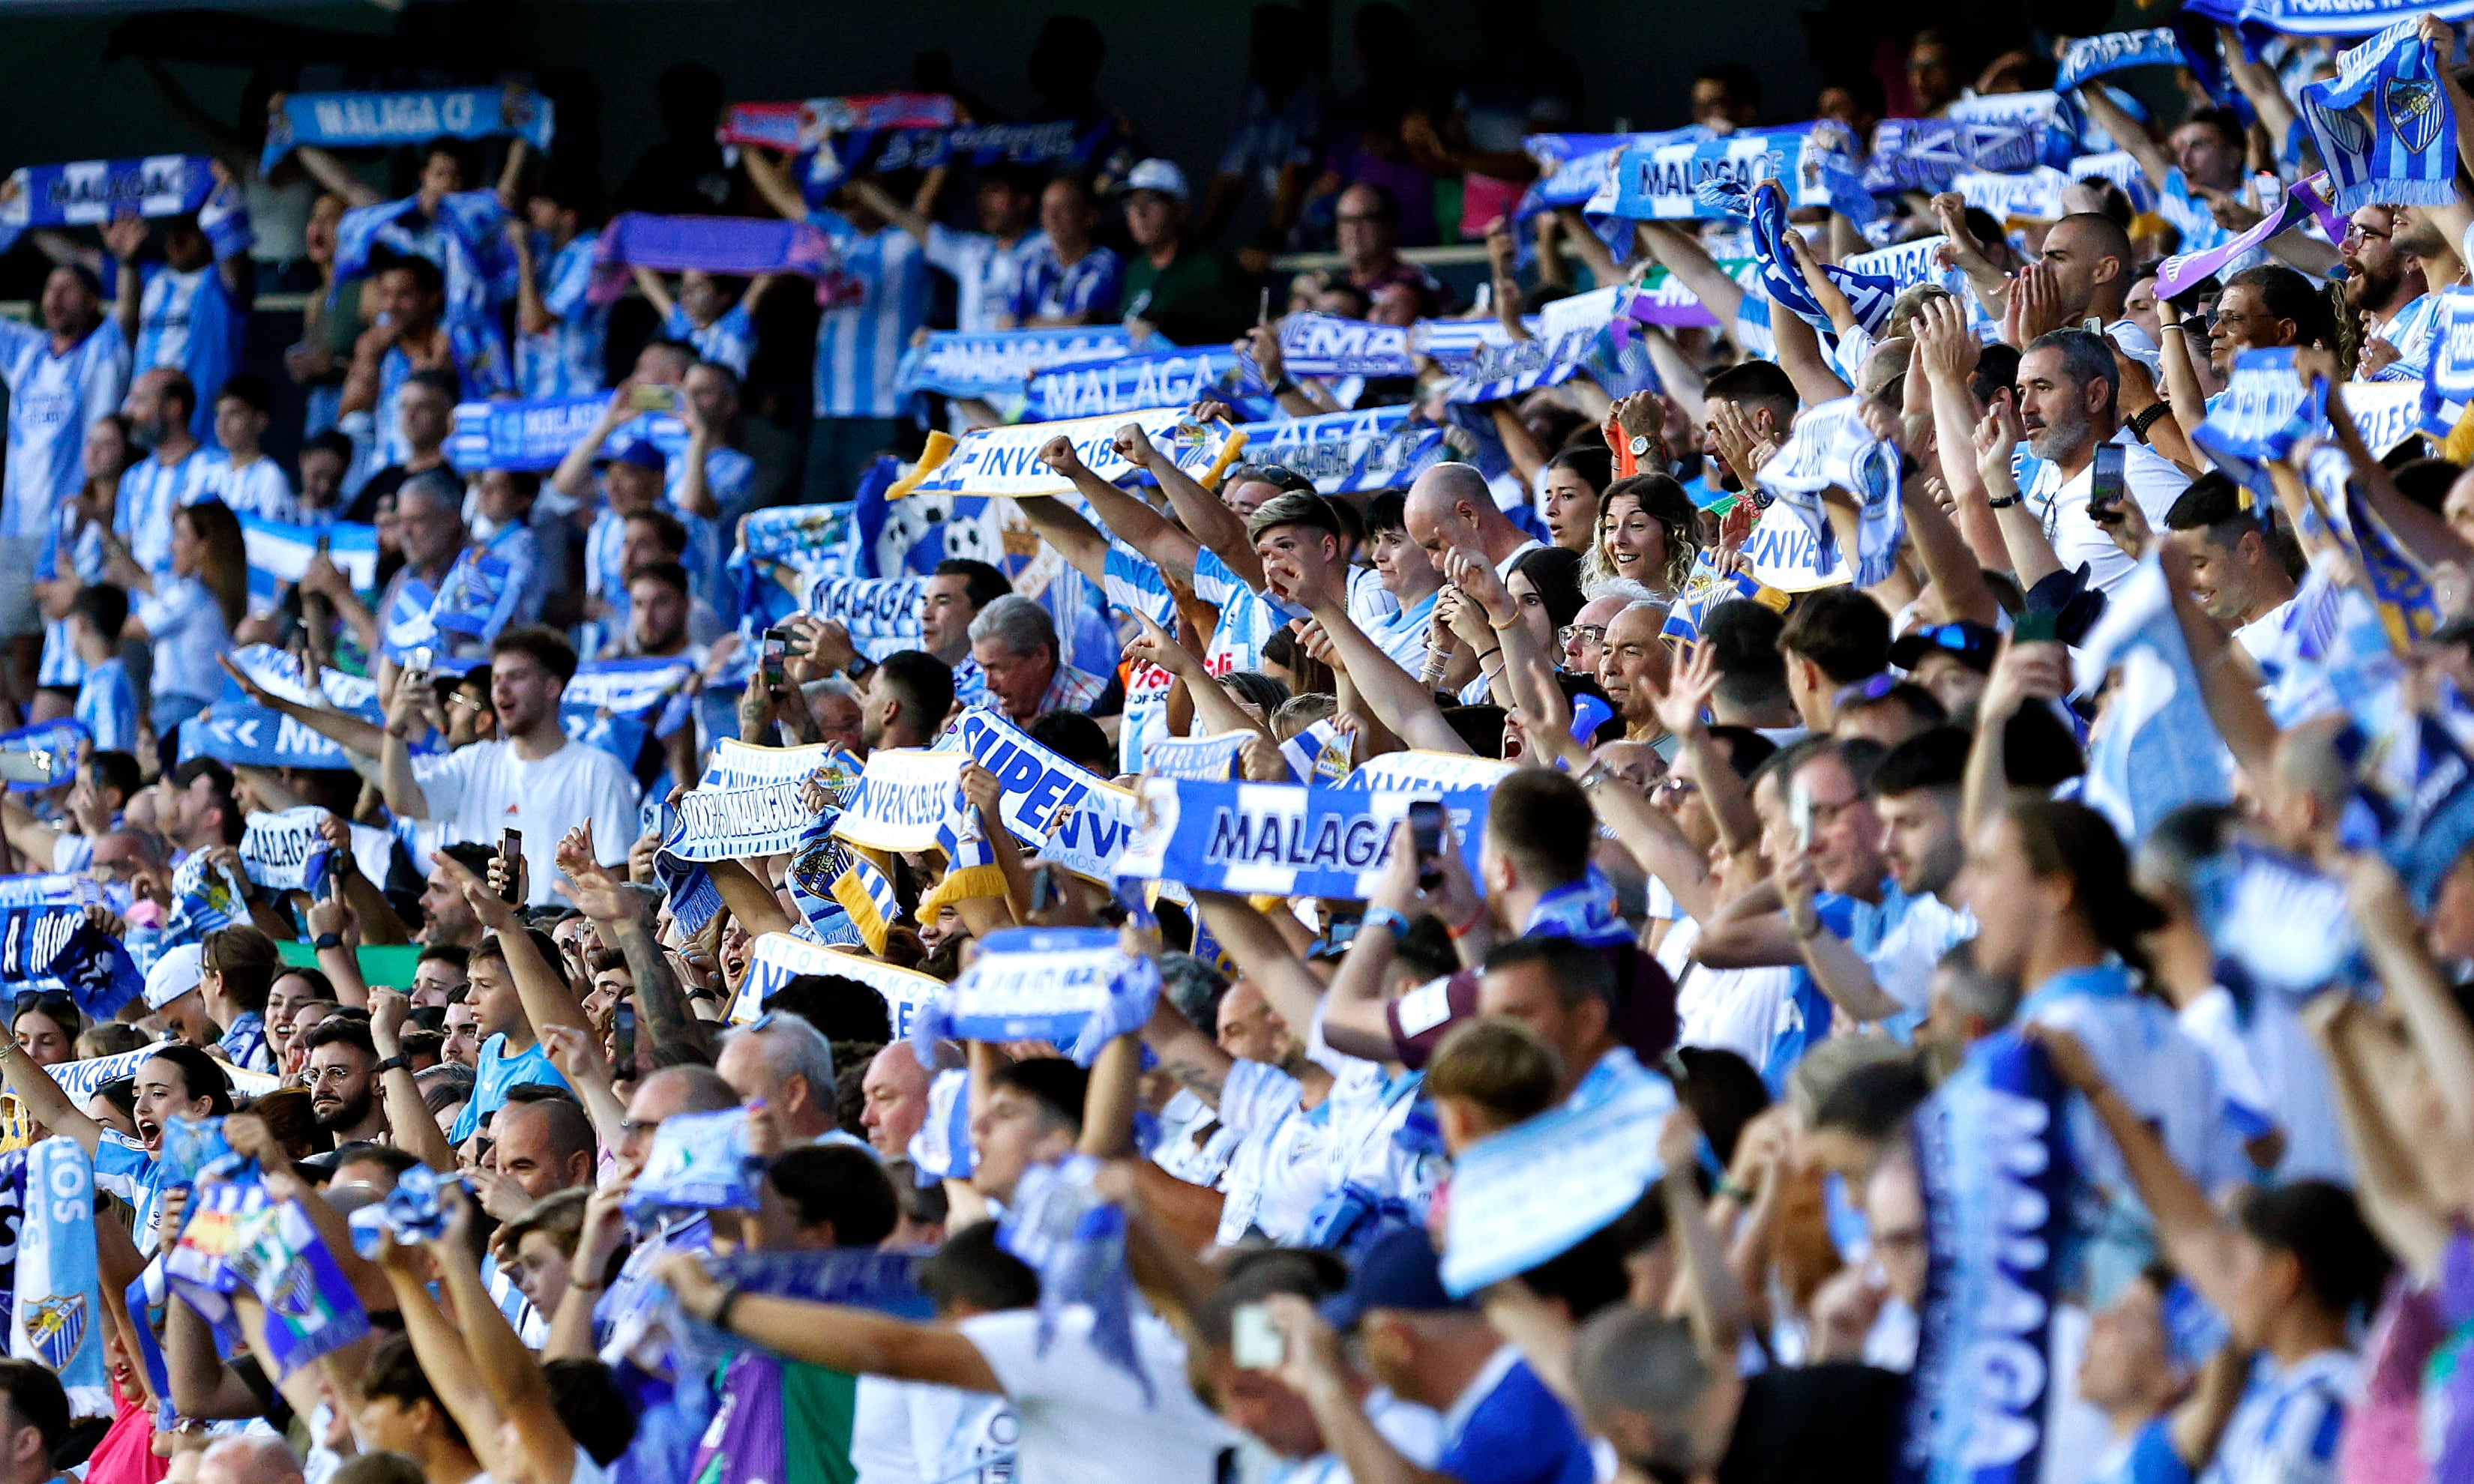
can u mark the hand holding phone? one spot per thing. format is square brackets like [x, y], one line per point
[2105, 484]
[1799, 813]
[1254, 1342]
[622, 1038]
[1426, 836]
[510, 859]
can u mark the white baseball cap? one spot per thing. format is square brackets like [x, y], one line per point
[176, 974]
[1158, 174]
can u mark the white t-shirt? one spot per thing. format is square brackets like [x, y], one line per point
[910, 1432]
[1085, 1420]
[2260, 638]
[480, 789]
[1739, 1009]
[2153, 479]
[2270, 1064]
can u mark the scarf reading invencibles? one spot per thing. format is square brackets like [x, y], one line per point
[55, 1318]
[2158, 750]
[753, 1438]
[54, 745]
[1074, 987]
[728, 247]
[1994, 1170]
[91, 192]
[1282, 839]
[911, 800]
[1529, 1192]
[342, 121]
[1832, 448]
[1065, 813]
[1005, 461]
[1075, 1239]
[534, 436]
[778, 958]
[2090, 58]
[998, 363]
[2407, 150]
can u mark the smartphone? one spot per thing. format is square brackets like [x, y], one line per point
[1426, 837]
[622, 1036]
[26, 767]
[511, 850]
[1799, 813]
[777, 651]
[1043, 887]
[653, 398]
[2104, 482]
[1263, 307]
[421, 660]
[2036, 625]
[1254, 1342]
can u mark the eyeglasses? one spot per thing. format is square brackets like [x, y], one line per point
[2356, 232]
[1593, 634]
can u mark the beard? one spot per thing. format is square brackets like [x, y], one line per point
[346, 1115]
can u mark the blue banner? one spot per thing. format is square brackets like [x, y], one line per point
[1283, 839]
[91, 192]
[279, 552]
[1323, 345]
[2407, 150]
[2090, 58]
[1994, 1170]
[57, 1318]
[342, 121]
[999, 363]
[532, 437]
[881, 613]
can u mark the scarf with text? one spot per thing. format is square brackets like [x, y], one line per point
[344, 121]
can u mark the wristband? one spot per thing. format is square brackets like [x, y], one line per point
[325, 940]
[1385, 917]
[392, 1064]
[730, 1298]
[2004, 504]
[1460, 930]
[2140, 424]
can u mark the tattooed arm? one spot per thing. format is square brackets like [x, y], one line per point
[1187, 1054]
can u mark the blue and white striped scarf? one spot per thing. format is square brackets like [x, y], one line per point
[55, 1318]
[2090, 58]
[2158, 750]
[2406, 151]
[1071, 987]
[90, 192]
[2448, 379]
[1076, 1241]
[356, 120]
[1869, 295]
[1830, 447]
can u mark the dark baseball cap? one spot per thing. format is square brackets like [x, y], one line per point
[1398, 1270]
[641, 454]
[1972, 644]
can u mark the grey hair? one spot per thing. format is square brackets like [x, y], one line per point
[1992, 998]
[831, 684]
[792, 1047]
[1018, 623]
[261, 1453]
[1630, 589]
[2085, 357]
[433, 484]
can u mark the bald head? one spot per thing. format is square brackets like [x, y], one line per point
[2090, 257]
[1448, 506]
[248, 1460]
[545, 1146]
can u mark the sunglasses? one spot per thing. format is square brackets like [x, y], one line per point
[1865, 691]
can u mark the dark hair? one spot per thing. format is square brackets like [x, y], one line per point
[1872, 1099]
[394, 1372]
[442, 952]
[103, 606]
[1291, 508]
[973, 1268]
[115, 768]
[2341, 1259]
[839, 1009]
[546, 646]
[339, 1030]
[426, 277]
[1760, 382]
[1383, 513]
[983, 583]
[588, 1400]
[1057, 1084]
[1723, 1090]
[2065, 838]
[35, 1395]
[842, 1183]
[1741, 82]
[1923, 704]
[1555, 571]
[1543, 820]
[1595, 465]
[670, 574]
[1997, 369]
[2289, 296]
[2213, 503]
[247, 961]
[249, 389]
[1578, 971]
[1074, 737]
[334, 441]
[2086, 356]
[1742, 638]
[386, 1157]
[2228, 124]
[1840, 630]
[668, 529]
[922, 682]
[1929, 759]
[200, 1074]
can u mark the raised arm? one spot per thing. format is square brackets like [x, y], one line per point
[616, 912]
[574, 476]
[332, 173]
[409, 1122]
[854, 1341]
[1398, 699]
[656, 291]
[2127, 132]
[899, 212]
[542, 990]
[1695, 269]
[773, 183]
[505, 1369]
[44, 1101]
[1204, 514]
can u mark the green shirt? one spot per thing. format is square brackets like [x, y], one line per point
[1198, 300]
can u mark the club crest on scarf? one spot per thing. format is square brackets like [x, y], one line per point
[57, 1327]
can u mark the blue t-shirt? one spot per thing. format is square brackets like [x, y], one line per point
[1508, 1429]
[108, 705]
[497, 1073]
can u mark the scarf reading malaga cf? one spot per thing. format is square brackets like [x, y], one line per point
[1994, 1167]
[2407, 150]
[57, 1317]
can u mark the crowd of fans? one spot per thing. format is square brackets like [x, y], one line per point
[1864, 868]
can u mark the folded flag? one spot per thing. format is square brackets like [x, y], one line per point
[55, 1315]
[189, 1146]
[2278, 915]
[51, 747]
[1534, 1189]
[2407, 150]
[279, 552]
[1831, 448]
[342, 121]
[1868, 295]
[310, 1308]
[90, 192]
[1071, 987]
[1994, 1165]
[698, 1162]
[733, 247]
[1075, 1240]
[96, 970]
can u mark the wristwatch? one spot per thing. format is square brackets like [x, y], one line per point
[325, 940]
